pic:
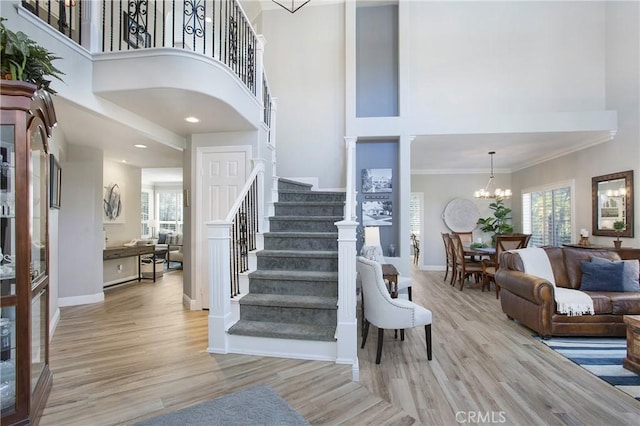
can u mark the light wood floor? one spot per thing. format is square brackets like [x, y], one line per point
[141, 354]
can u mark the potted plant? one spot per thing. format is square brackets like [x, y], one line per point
[618, 227]
[24, 60]
[499, 222]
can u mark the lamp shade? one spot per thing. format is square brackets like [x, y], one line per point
[371, 236]
[152, 223]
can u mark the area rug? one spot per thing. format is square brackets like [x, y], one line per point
[258, 405]
[602, 357]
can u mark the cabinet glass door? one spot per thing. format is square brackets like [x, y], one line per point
[7, 210]
[38, 336]
[38, 225]
[7, 359]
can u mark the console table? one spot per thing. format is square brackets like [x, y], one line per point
[126, 251]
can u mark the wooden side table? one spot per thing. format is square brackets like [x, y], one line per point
[632, 360]
[390, 273]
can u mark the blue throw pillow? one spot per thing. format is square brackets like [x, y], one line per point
[162, 238]
[630, 274]
[602, 277]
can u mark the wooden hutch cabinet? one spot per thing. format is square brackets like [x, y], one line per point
[28, 118]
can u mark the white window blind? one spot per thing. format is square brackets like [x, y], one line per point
[547, 215]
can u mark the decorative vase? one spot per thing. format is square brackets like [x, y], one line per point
[392, 250]
[617, 243]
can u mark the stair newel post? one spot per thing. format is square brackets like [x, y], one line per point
[219, 258]
[349, 208]
[346, 331]
[262, 219]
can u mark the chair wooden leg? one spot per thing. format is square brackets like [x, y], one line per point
[454, 273]
[380, 337]
[402, 334]
[463, 278]
[427, 332]
[409, 290]
[446, 272]
[497, 289]
[365, 332]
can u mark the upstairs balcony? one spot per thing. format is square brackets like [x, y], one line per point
[196, 55]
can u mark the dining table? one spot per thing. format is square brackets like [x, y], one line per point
[480, 252]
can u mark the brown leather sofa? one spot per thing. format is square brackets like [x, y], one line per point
[530, 300]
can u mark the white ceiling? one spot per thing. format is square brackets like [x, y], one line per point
[513, 151]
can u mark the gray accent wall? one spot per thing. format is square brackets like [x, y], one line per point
[380, 154]
[377, 61]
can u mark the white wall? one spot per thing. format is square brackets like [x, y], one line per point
[128, 179]
[622, 66]
[499, 57]
[80, 227]
[304, 59]
[438, 190]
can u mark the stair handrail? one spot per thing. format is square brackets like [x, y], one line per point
[222, 246]
[245, 215]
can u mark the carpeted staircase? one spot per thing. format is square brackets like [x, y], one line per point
[293, 292]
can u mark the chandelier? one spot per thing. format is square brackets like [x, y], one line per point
[497, 193]
[293, 7]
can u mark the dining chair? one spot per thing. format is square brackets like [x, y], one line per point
[386, 313]
[465, 237]
[490, 266]
[450, 263]
[464, 267]
[416, 248]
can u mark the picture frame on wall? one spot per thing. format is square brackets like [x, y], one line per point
[376, 181]
[377, 213]
[113, 203]
[55, 182]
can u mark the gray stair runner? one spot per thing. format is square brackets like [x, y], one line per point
[293, 293]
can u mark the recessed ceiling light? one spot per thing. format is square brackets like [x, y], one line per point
[139, 145]
[192, 119]
[124, 161]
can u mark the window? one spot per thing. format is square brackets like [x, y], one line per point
[415, 213]
[144, 211]
[547, 214]
[170, 210]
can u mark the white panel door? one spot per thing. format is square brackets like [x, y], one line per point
[222, 178]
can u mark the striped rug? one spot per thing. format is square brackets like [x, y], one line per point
[601, 356]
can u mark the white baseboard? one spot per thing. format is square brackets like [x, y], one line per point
[281, 348]
[81, 300]
[435, 268]
[189, 303]
[53, 323]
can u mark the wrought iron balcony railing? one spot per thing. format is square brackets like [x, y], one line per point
[218, 29]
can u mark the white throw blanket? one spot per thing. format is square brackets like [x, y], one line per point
[570, 302]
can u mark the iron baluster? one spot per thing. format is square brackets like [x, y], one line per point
[194, 14]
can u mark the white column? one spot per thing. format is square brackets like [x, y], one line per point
[347, 329]
[92, 19]
[350, 203]
[219, 257]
